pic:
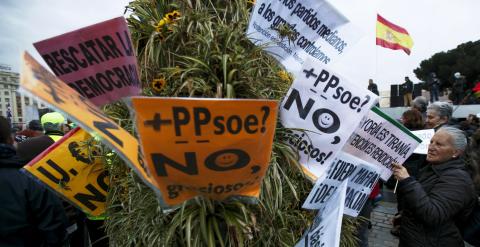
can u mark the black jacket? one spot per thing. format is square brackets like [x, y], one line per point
[407, 87]
[443, 196]
[30, 215]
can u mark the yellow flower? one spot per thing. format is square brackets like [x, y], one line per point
[285, 76]
[158, 84]
[167, 19]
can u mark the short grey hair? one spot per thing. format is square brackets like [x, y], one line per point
[459, 138]
[420, 103]
[443, 109]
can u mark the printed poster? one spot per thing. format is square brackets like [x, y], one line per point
[322, 109]
[69, 167]
[214, 148]
[361, 176]
[36, 81]
[97, 61]
[382, 141]
[294, 31]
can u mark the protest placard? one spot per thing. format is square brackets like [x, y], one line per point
[293, 31]
[209, 147]
[327, 225]
[381, 140]
[328, 108]
[70, 168]
[36, 81]
[362, 178]
[425, 136]
[97, 61]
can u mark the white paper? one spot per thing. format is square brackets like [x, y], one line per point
[425, 136]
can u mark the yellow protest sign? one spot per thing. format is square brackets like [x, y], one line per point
[36, 80]
[210, 147]
[70, 168]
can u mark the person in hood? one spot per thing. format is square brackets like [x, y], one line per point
[30, 215]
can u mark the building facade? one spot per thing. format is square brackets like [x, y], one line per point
[19, 108]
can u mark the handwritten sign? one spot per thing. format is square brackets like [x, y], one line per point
[327, 225]
[381, 140]
[425, 136]
[97, 61]
[328, 108]
[293, 31]
[70, 168]
[209, 147]
[36, 80]
[362, 178]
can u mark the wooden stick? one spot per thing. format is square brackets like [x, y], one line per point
[395, 189]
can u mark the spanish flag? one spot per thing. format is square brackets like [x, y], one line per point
[392, 36]
[476, 90]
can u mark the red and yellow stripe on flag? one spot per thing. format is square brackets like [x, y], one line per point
[476, 90]
[392, 36]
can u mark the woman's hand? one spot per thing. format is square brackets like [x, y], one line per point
[400, 172]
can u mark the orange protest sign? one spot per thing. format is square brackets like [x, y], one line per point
[210, 147]
[36, 80]
[68, 168]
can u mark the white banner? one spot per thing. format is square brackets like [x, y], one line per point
[425, 136]
[362, 178]
[327, 225]
[381, 140]
[328, 108]
[294, 30]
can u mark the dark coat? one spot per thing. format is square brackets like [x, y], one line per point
[30, 215]
[407, 87]
[443, 195]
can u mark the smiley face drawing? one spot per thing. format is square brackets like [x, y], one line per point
[226, 159]
[326, 120]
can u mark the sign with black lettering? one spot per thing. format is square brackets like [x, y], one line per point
[214, 148]
[327, 225]
[425, 136]
[37, 81]
[72, 168]
[97, 61]
[362, 177]
[328, 108]
[294, 31]
[381, 140]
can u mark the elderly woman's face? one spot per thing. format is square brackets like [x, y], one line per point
[433, 119]
[441, 148]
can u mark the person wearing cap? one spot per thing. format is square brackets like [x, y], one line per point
[34, 128]
[53, 123]
[458, 88]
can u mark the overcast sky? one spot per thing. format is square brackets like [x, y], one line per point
[435, 25]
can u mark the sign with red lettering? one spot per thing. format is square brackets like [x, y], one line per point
[97, 61]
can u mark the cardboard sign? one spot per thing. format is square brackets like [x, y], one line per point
[425, 136]
[362, 177]
[210, 147]
[327, 225]
[293, 31]
[97, 61]
[381, 140]
[37, 81]
[67, 168]
[328, 107]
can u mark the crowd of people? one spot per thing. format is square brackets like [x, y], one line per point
[30, 214]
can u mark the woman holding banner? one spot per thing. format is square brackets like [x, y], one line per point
[443, 195]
